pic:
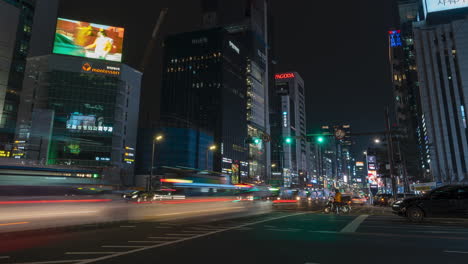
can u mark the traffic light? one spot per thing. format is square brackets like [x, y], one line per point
[288, 140]
[257, 141]
[320, 140]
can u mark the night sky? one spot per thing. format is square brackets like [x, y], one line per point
[338, 47]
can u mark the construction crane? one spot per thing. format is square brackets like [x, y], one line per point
[154, 37]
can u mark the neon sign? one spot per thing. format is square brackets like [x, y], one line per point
[285, 119]
[395, 38]
[284, 76]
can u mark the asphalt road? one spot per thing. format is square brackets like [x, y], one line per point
[368, 235]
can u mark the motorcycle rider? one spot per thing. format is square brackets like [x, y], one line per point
[338, 199]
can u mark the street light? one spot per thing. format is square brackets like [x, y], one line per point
[273, 165]
[210, 148]
[377, 141]
[156, 138]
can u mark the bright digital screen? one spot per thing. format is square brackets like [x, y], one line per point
[88, 40]
[87, 123]
[444, 5]
[395, 38]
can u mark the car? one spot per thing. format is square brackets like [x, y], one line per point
[400, 197]
[446, 201]
[138, 196]
[382, 199]
[144, 196]
[358, 200]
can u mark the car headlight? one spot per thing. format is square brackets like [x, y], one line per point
[134, 196]
[298, 198]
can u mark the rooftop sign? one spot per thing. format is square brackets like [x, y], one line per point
[284, 76]
[444, 5]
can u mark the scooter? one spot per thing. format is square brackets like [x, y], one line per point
[332, 207]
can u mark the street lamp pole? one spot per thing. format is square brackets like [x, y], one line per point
[150, 181]
[210, 148]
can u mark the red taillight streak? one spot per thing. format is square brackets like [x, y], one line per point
[285, 201]
[56, 201]
[17, 223]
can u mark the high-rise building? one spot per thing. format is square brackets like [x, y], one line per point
[204, 89]
[79, 104]
[80, 112]
[441, 44]
[288, 130]
[16, 21]
[338, 150]
[249, 22]
[411, 147]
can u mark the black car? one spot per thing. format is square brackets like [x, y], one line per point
[446, 201]
[382, 199]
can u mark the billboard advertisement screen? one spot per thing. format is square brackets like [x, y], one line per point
[444, 5]
[88, 40]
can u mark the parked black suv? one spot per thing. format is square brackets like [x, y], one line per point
[446, 201]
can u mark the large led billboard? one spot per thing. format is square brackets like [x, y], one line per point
[444, 5]
[89, 40]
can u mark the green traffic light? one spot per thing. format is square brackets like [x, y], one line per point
[288, 140]
[257, 141]
[320, 140]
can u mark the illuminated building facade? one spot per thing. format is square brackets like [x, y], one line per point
[338, 151]
[441, 45]
[290, 148]
[16, 20]
[413, 147]
[249, 22]
[79, 112]
[204, 89]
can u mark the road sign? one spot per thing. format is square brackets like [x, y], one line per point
[340, 134]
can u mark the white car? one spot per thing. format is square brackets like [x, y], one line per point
[167, 195]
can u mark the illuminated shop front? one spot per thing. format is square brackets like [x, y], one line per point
[80, 117]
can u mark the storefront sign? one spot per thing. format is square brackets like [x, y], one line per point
[100, 68]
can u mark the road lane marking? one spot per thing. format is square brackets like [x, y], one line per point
[17, 223]
[55, 261]
[184, 239]
[178, 235]
[91, 253]
[244, 228]
[128, 226]
[193, 231]
[146, 241]
[4, 257]
[457, 252]
[354, 225]
[122, 246]
[167, 238]
[163, 227]
[325, 232]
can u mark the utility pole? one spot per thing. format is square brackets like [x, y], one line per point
[388, 133]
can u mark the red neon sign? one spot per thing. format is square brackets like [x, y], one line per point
[284, 76]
